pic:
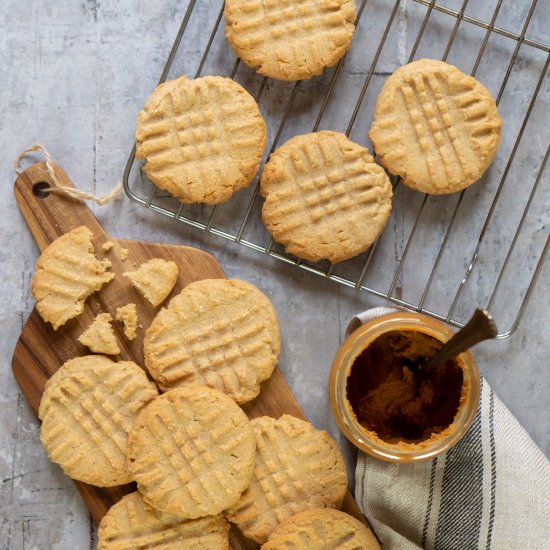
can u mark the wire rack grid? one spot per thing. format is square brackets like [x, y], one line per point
[440, 255]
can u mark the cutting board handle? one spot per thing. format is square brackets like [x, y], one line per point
[50, 215]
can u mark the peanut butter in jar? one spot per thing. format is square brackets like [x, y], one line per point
[383, 401]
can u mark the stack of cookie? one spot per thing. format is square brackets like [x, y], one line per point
[326, 199]
[198, 461]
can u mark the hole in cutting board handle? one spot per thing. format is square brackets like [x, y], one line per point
[38, 190]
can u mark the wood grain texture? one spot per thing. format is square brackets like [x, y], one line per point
[40, 350]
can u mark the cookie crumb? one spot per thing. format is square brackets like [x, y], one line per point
[123, 254]
[128, 316]
[100, 337]
[107, 245]
[154, 279]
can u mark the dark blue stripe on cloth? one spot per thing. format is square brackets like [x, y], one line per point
[493, 468]
[429, 507]
[459, 521]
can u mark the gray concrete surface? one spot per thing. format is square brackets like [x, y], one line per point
[73, 76]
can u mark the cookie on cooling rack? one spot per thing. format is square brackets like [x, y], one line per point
[435, 127]
[217, 333]
[322, 529]
[154, 279]
[202, 139]
[297, 468]
[131, 524]
[325, 197]
[67, 272]
[87, 409]
[191, 452]
[289, 39]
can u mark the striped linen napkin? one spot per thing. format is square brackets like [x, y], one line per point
[490, 491]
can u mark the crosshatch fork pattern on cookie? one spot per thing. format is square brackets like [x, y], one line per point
[296, 467]
[289, 18]
[186, 132]
[324, 175]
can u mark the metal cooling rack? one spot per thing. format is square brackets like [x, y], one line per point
[440, 255]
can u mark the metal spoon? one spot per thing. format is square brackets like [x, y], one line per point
[480, 327]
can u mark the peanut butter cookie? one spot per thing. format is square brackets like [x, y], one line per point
[202, 139]
[297, 468]
[325, 198]
[191, 452]
[154, 279]
[87, 409]
[435, 127]
[217, 333]
[100, 337]
[290, 39]
[132, 524]
[322, 529]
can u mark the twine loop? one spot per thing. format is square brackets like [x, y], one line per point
[57, 186]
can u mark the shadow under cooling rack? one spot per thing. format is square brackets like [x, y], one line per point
[440, 255]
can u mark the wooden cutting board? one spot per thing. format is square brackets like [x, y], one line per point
[40, 350]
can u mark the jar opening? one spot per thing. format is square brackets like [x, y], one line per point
[390, 394]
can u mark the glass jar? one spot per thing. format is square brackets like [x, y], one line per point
[369, 442]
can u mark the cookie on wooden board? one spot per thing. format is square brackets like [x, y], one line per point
[297, 468]
[202, 139]
[100, 337]
[322, 529]
[218, 333]
[191, 452]
[72, 366]
[325, 197]
[131, 524]
[127, 315]
[67, 272]
[154, 279]
[435, 127]
[290, 39]
[87, 409]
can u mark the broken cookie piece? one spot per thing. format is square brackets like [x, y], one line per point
[100, 337]
[128, 316]
[67, 272]
[154, 279]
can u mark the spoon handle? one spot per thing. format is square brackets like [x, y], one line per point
[480, 327]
